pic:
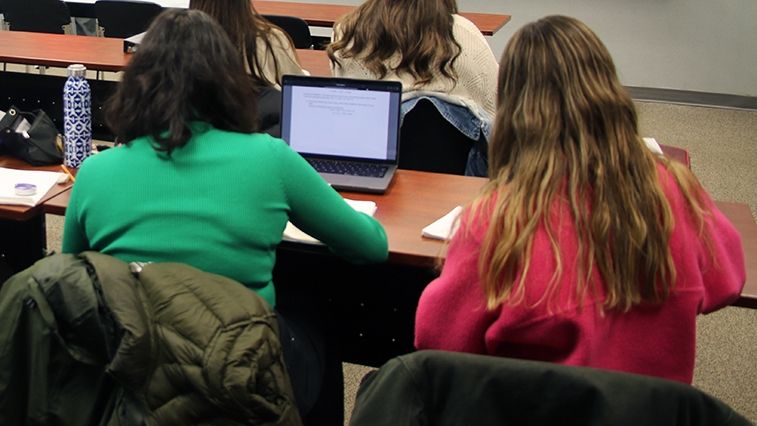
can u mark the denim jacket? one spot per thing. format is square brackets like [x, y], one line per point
[471, 120]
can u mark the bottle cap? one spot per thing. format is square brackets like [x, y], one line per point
[25, 189]
[77, 70]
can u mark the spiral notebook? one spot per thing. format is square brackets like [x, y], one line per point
[10, 177]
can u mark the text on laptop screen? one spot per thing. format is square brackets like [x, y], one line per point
[341, 121]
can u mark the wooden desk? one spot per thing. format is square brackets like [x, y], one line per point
[416, 199]
[324, 15]
[99, 53]
[375, 304]
[58, 50]
[22, 229]
[315, 14]
[21, 213]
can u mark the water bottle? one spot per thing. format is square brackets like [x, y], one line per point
[77, 116]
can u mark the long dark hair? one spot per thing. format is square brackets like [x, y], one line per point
[186, 69]
[246, 29]
[418, 33]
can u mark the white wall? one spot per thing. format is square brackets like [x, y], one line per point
[699, 45]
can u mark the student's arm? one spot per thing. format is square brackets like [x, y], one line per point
[452, 312]
[321, 212]
[722, 263]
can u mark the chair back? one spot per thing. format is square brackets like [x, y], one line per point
[428, 142]
[447, 388]
[125, 18]
[42, 16]
[297, 28]
[679, 154]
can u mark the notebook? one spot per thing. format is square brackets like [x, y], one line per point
[347, 129]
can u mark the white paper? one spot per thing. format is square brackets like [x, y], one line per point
[292, 233]
[653, 146]
[10, 177]
[443, 228]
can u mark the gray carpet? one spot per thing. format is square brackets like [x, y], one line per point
[724, 154]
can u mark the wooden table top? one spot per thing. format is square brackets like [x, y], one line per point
[416, 199]
[315, 14]
[59, 50]
[23, 212]
[324, 15]
[100, 53]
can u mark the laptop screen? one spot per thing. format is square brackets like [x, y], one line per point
[342, 118]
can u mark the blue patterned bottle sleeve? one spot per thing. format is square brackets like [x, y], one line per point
[77, 116]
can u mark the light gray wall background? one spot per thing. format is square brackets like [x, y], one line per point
[698, 45]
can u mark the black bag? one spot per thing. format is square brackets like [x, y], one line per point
[43, 145]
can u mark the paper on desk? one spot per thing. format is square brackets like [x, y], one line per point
[292, 233]
[653, 146]
[444, 227]
[10, 177]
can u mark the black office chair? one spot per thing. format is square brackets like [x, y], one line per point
[125, 18]
[42, 16]
[430, 143]
[447, 388]
[298, 29]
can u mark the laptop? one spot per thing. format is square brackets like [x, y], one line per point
[347, 129]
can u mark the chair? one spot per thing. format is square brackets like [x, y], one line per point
[125, 18]
[428, 142]
[679, 154]
[298, 29]
[42, 16]
[446, 388]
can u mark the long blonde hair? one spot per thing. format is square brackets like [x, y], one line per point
[566, 130]
[419, 32]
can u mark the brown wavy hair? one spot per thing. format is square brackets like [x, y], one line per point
[419, 32]
[566, 131]
[185, 70]
[246, 28]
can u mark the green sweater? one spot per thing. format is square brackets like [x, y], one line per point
[220, 204]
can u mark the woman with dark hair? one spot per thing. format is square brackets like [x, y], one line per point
[424, 44]
[195, 184]
[267, 50]
[584, 248]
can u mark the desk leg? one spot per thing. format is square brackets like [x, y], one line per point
[22, 242]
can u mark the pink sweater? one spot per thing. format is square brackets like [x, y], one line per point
[652, 340]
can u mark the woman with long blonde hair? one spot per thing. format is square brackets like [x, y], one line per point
[424, 44]
[584, 248]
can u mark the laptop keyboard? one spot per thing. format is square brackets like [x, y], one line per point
[348, 168]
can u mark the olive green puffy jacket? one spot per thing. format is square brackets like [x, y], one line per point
[184, 346]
